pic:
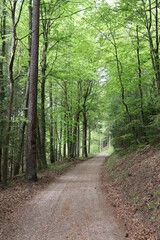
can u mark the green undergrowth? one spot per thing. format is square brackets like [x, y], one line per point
[109, 150]
[61, 166]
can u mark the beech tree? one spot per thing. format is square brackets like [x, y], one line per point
[12, 79]
[32, 106]
[97, 77]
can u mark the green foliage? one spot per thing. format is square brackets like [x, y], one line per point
[59, 167]
[92, 67]
[109, 150]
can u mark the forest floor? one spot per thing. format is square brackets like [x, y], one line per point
[89, 201]
[20, 191]
[72, 207]
[132, 185]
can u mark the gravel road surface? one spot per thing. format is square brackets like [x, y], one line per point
[72, 208]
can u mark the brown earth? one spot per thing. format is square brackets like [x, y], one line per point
[72, 207]
[132, 185]
[19, 191]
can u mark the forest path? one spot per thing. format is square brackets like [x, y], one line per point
[71, 208]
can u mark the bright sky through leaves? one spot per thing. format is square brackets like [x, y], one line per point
[110, 2]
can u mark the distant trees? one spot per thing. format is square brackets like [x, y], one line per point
[45, 95]
[98, 66]
[129, 35]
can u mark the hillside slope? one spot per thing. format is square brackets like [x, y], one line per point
[132, 183]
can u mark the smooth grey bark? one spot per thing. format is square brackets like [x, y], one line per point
[31, 169]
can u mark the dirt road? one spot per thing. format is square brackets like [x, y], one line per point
[71, 208]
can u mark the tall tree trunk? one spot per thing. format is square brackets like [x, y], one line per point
[74, 145]
[31, 171]
[89, 140]
[78, 141]
[43, 118]
[23, 124]
[119, 70]
[140, 78]
[60, 140]
[7, 138]
[85, 133]
[64, 136]
[39, 148]
[10, 103]
[157, 47]
[68, 136]
[55, 141]
[154, 52]
[22, 131]
[2, 90]
[83, 141]
[52, 158]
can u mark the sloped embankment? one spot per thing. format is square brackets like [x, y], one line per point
[132, 185]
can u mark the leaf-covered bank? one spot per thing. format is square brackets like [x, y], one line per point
[132, 183]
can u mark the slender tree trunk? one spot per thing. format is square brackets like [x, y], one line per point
[74, 145]
[31, 171]
[78, 141]
[157, 47]
[64, 136]
[2, 90]
[119, 70]
[83, 141]
[23, 124]
[39, 148]
[140, 78]
[85, 133]
[22, 159]
[67, 121]
[89, 140]
[22, 131]
[52, 158]
[43, 118]
[7, 138]
[55, 137]
[60, 140]
[55, 140]
[153, 51]
[68, 137]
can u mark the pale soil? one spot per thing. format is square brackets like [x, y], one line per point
[72, 207]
